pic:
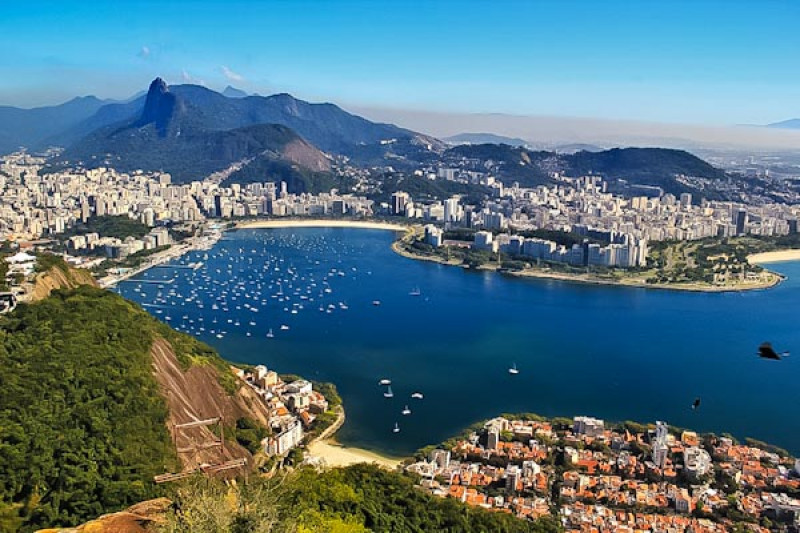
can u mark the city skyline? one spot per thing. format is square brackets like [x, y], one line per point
[701, 63]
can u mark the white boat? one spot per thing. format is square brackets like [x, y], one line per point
[396, 428]
[284, 327]
[385, 382]
[376, 302]
[513, 370]
[388, 393]
[415, 292]
[417, 395]
[270, 334]
[406, 411]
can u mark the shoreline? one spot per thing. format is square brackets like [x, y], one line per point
[776, 278]
[777, 256]
[175, 251]
[331, 453]
[320, 223]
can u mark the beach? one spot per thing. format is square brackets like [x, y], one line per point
[777, 256]
[334, 454]
[320, 223]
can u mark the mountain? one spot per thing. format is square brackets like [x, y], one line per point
[626, 169]
[187, 136]
[791, 124]
[191, 131]
[31, 127]
[233, 92]
[101, 381]
[484, 138]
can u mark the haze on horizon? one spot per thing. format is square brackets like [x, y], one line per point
[621, 70]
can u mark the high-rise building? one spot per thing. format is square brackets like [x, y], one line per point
[399, 201]
[740, 219]
[492, 438]
[513, 476]
[660, 448]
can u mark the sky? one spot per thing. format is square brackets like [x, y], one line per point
[698, 62]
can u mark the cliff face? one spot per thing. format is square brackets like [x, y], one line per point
[196, 394]
[58, 278]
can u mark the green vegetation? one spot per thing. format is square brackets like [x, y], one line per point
[45, 262]
[698, 261]
[3, 273]
[356, 499]
[92, 432]
[298, 180]
[120, 227]
[424, 189]
[248, 434]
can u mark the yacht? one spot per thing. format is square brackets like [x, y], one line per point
[396, 428]
[388, 393]
[284, 327]
[376, 302]
[406, 411]
[385, 382]
[513, 370]
[415, 292]
[417, 395]
[270, 334]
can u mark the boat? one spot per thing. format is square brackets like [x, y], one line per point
[388, 393]
[385, 382]
[284, 327]
[376, 302]
[415, 292]
[270, 334]
[396, 428]
[513, 370]
[417, 395]
[406, 410]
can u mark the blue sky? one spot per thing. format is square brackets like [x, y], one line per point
[671, 61]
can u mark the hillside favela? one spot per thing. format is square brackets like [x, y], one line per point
[442, 266]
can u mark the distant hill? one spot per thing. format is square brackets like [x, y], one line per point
[233, 92]
[621, 167]
[32, 127]
[484, 138]
[577, 147]
[791, 124]
[177, 134]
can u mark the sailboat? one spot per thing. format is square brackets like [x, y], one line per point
[396, 428]
[270, 334]
[513, 370]
[406, 410]
[415, 292]
[388, 393]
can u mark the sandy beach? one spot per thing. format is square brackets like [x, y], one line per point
[334, 454]
[774, 257]
[320, 223]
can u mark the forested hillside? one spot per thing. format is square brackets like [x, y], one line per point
[82, 420]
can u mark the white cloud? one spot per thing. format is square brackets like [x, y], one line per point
[188, 78]
[231, 75]
[144, 53]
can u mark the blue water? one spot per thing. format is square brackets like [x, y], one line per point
[612, 352]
